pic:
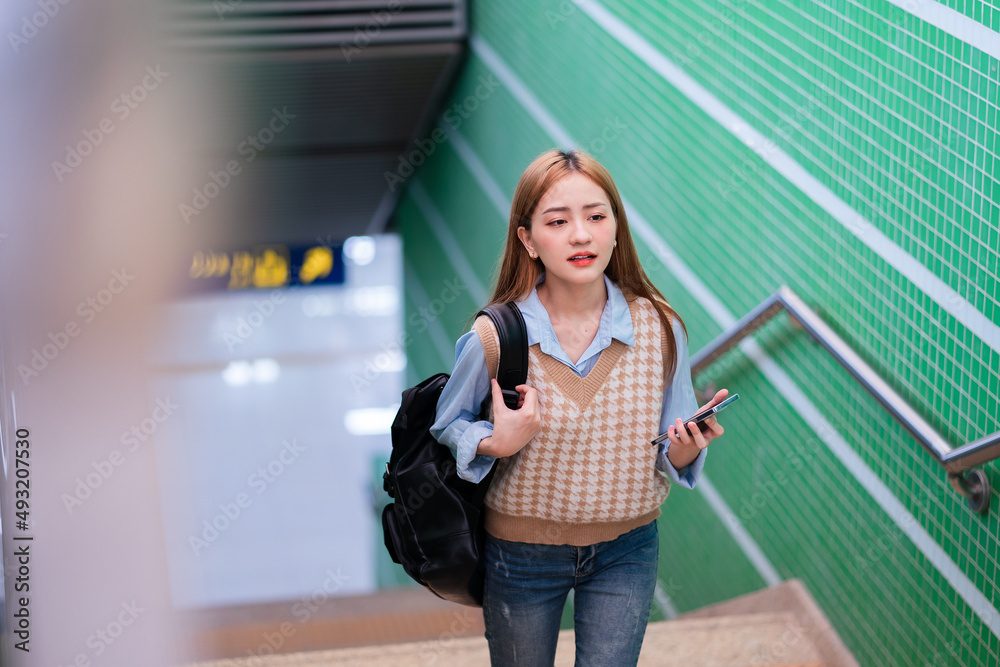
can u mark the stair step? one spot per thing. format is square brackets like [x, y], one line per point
[788, 597]
[322, 623]
[778, 627]
[763, 640]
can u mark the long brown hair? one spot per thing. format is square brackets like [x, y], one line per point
[519, 273]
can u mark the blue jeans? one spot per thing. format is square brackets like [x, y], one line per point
[526, 589]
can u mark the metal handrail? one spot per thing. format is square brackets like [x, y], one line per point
[957, 462]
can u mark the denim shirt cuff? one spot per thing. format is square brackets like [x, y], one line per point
[686, 476]
[471, 466]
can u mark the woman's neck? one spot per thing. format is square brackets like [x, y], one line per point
[569, 301]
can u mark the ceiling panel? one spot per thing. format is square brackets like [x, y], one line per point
[351, 112]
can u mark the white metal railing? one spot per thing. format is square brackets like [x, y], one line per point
[957, 462]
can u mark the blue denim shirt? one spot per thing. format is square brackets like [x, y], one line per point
[457, 424]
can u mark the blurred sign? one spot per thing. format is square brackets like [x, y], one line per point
[267, 267]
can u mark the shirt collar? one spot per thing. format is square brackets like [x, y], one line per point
[616, 322]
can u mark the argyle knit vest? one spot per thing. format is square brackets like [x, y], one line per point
[589, 475]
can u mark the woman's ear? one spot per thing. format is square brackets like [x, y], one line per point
[525, 236]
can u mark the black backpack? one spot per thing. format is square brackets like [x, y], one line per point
[434, 529]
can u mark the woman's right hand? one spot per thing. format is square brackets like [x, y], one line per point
[512, 429]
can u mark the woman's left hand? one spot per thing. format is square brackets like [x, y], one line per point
[687, 442]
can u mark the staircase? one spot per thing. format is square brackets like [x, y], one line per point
[780, 626]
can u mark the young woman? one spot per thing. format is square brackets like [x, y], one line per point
[578, 488]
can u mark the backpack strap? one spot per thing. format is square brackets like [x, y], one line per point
[511, 368]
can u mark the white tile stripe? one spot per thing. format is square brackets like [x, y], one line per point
[447, 240]
[478, 171]
[695, 286]
[753, 552]
[663, 600]
[739, 533]
[439, 337]
[947, 298]
[956, 24]
[964, 586]
[872, 484]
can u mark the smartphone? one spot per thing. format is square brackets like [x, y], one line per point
[700, 417]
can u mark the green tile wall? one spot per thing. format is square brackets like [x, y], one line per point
[899, 120]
